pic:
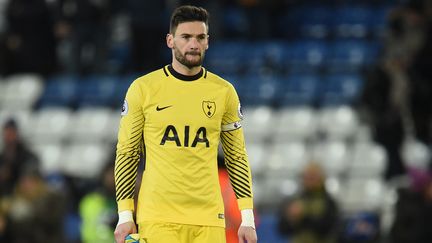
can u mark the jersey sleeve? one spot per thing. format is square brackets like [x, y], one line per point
[129, 147]
[236, 158]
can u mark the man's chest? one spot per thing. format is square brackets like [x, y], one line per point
[188, 110]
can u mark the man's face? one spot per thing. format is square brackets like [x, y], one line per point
[312, 178]
[189, 43]
[10, 136]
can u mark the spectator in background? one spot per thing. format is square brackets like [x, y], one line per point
[397, 96]
[312, 215]
[146, 23]
[421, 73]
[414, 210]
[98, 210]
[28, 44]
[384, 107]
[388, 88]
[14, 158]
[35, 211]
[83, 25]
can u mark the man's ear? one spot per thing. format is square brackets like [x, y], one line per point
[170, 40]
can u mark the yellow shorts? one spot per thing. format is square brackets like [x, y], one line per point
[151, 232]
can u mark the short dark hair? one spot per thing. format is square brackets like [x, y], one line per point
[10, 123]
[188, 13]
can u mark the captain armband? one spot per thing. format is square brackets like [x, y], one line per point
[232, 126]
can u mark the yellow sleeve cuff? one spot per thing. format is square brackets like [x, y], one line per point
[126, 204]
[245, 203]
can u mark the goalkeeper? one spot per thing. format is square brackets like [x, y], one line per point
[177, 116]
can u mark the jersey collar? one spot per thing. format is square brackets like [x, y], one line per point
[184, 77]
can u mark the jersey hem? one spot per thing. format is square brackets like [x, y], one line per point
[216, 224]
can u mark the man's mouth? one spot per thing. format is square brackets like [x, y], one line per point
[193, 53]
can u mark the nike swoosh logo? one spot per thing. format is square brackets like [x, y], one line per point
[162, 108]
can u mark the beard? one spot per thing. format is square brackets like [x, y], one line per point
[181, 58]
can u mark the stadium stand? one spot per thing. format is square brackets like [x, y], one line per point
[299, 95]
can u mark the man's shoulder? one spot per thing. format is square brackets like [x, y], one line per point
[218, 79]
[158, 73]
[149, 78]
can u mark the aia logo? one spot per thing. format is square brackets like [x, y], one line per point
[209, 108]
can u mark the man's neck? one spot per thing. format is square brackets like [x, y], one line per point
[180, 68]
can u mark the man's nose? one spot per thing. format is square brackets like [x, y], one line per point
[193, 43]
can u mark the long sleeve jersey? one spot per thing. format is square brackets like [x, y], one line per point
[180, 121]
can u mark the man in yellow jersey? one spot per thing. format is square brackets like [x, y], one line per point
[179, 114]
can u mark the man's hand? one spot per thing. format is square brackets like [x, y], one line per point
[247, 234]
[124, 230]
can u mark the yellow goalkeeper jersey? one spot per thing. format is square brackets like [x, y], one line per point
[179, 122]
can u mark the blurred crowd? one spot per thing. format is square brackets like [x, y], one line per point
[75, 36]
[37, 208]
[78, 36]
